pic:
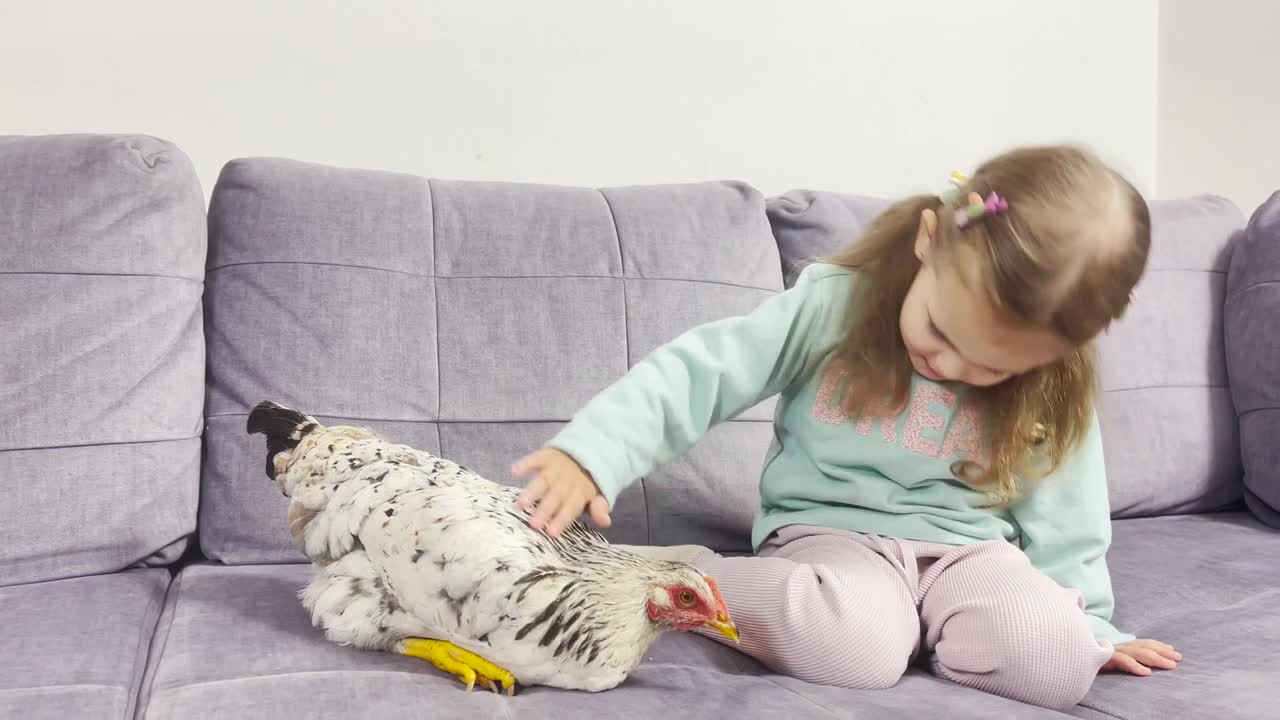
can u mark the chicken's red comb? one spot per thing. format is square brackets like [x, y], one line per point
[715, 589]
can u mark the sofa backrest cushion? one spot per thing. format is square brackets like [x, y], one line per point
[102, 249]
[1253, 357]
[471, 320]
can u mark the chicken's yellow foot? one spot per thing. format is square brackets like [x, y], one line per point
[467, 666]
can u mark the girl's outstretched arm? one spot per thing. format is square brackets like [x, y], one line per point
[670, 399]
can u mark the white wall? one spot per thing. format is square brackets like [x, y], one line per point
[877, 97]
[1219, 118]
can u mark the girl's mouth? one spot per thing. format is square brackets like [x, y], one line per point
[925, 368]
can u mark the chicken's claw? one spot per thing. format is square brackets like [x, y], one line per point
[464, 664]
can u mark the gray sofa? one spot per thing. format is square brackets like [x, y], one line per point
[145, 565]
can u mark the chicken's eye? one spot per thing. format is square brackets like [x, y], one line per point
[688, 599]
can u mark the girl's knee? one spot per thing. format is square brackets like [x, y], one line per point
[827, 635]
[1035, 671]
[1040, 658]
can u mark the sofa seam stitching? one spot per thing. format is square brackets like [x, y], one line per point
[113, 443]
[68, 273]
[435, 305]
[575, 276]
[1240, 291]
[143, 648]
[421, 421]
[1100, 710]
[1168, 386]
[268, 676]
[148, 684]
[66, 686]
[626, 340]
[809, 700]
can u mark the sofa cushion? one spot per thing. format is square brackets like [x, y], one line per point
[810, 225]
[1169, 430]
[1168, 425]
[102, 247]
[1206, 584]
[471, 320]
[235, 642]
[77, 648]
[1252, 328]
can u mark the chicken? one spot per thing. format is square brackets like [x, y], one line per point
[415, 554]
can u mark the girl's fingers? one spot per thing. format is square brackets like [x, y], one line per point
[529, 463]
[547, 508]
[567, 514]
[532, 493]
[1152, 658]
[599, 509]
[1131, 665]
[1165, 649]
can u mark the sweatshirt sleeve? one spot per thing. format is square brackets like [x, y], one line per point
[1066, 530]
[669, 400]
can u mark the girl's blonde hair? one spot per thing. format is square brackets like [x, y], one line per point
[1064, 258]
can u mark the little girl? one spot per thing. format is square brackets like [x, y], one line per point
[936, 480]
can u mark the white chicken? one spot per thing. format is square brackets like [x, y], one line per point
[415, 554]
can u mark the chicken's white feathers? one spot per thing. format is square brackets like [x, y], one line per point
[407, 544]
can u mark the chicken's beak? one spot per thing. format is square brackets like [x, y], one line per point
[723, 624]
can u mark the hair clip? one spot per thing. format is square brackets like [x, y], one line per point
[958, 181]
[1125, 308]
[977, 208]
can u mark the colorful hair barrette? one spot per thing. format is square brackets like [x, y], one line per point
[978, 208]
[958, 181]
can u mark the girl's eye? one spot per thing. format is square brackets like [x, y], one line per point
[687, 599]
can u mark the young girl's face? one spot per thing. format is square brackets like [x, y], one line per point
[951, 332]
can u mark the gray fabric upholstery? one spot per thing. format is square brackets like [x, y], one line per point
[236, 639]
[469, 319]
[473, 319]
[1205, 583]
[77, 648]
[1168, 425]
[1169, 430]
[235, 642]
[811, 224]
[1252, 334]
[102, 246]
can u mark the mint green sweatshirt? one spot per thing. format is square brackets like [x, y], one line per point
[887, 476]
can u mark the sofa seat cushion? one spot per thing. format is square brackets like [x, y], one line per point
[77, 648]
[236, 642]
[1205, 584]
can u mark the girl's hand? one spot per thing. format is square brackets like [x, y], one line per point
[1139, 656]
[559, 492]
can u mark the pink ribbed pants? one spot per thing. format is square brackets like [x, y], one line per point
[841, 608]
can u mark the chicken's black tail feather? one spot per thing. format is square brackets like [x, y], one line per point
[284, 428]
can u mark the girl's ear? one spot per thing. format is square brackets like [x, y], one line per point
[924, 234]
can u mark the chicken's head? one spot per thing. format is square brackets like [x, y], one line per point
[690, 602]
